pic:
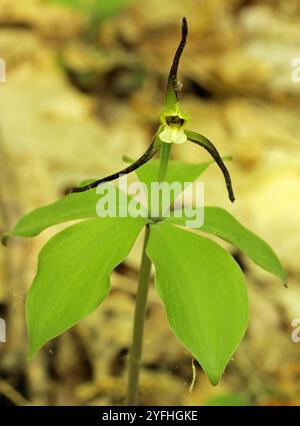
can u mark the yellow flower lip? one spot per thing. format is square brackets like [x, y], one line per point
[172, 134]
[174, 121]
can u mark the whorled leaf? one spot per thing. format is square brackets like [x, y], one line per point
[73, 274]
[71, 207]
[177, 172]
[212, 150]
[219, 222]
[204, 293]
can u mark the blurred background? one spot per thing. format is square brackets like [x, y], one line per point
[85, 84]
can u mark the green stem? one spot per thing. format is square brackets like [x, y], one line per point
[141, 300]
[164, 159]
[138, 329]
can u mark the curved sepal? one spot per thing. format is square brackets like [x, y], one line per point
[212, 150]
[173, 85]
[151, 151]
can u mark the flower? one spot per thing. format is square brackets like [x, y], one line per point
[174, 121]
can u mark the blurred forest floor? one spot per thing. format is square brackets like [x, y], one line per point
[82, 92]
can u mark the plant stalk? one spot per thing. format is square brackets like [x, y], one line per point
[141, 300]
[138, 329]
[164, 159]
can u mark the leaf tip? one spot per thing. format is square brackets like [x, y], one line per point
[214, 374]
[282, 275]
[33, 347]
[214, 379]
[30, 353]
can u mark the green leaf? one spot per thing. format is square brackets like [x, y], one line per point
[204, 293]
[72, 207]
[177, 171]
[73, 274]
[219, 222]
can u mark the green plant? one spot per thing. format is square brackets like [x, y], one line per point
[199, 282]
